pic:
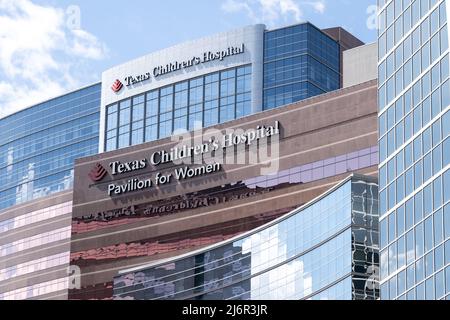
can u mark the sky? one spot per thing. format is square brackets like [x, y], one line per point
[49, 47]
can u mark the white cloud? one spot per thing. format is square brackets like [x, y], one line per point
[319, 6]
[39, 56]
[232, 6]
[272, 11]
[86, 45]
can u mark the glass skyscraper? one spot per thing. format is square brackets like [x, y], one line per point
[414, 145]
[300, 62]
[324, 250]
[38, 146]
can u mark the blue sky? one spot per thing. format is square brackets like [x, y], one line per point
[51, 46]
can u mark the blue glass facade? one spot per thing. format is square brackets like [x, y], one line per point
[38, 146]
[414, 147]
[299, 62]
[324, 250]
[201, 102]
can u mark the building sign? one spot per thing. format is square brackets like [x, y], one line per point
[178, 153]
[162, 70]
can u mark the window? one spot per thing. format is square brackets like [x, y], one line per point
[445, 95]
[124, 116]
[429, 237]
[410, 247]
[392, 228]
[417, 148]
[399, 134]
[409, 213]
[112, 121]
[401, 252]
[418, 206]
[151, 133]
[137, 136]
[444, 39]
[401, 282]
[392, 258]
[400, 220]
[417, 119]
[211, 117]
[426, 84]
[446, 124]
[417, 65]
[438, 227]
[427, 167]
[429, 289]
[400, 188]
[157, 113]
[124, 140]
[435, 103]
[383, 124]
[437, 159]
[445, 68]
[435, 47]
[437, 192]
[428, 199]
[408, 127]
[426, 56]
[138, 112]
[382, 71]
[439, 257]
[418, 171]
[407, 72]
[409, 181]
[427, 142]
[429, 264]
[437, 137]
[440, 285]
[446, 182]
[435, 76]
[384, 233]
[420, 270]
[391, 169]
[410, 277]
[400, 162]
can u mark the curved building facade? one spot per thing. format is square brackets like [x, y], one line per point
[327, 249]
[38, 147]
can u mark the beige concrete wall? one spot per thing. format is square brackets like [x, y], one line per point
[360, 65]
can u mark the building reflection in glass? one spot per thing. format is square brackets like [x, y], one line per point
[327, 249]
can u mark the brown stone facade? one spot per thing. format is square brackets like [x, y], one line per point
[322, 140]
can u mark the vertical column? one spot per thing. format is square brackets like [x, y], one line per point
[257, 56]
